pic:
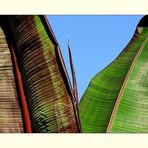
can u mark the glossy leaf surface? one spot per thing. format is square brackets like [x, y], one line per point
[99, 100]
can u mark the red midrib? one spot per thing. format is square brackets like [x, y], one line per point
[25, 111]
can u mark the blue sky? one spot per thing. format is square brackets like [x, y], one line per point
[95, 41]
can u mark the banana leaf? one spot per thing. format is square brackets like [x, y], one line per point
[117, 97]
[10, 110]
[46, 96]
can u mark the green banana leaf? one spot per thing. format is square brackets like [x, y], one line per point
[116, 99]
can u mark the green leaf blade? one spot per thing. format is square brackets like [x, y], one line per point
[98, 101]
[132, 112]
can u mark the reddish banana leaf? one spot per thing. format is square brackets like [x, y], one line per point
[46, 97]
[10, 111]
